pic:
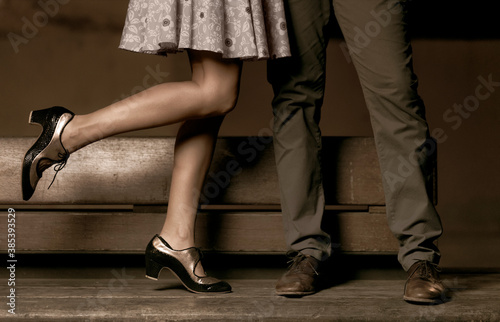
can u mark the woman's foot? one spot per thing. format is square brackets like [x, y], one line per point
[183, 264]
[48, 149]
[179, 237]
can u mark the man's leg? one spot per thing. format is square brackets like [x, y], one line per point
[376, 35]
[298, 85]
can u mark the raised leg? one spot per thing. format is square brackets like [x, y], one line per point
[212, 91]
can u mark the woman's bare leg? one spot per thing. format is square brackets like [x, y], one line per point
[212, 91]
[192, 157]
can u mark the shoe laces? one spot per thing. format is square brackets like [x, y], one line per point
[427, 270]
[59, 165]
[296, 258]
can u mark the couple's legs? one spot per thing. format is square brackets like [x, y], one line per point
[383, 63]
[201, 103]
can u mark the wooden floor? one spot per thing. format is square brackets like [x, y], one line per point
[125, 295]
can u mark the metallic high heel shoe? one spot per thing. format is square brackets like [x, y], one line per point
[182, 263]
[48, 149]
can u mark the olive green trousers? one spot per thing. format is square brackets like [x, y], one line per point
[375, 33]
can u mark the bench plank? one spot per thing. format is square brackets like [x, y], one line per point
[129, 232]
[138, 171]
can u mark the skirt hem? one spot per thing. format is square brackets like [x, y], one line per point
[165, 52]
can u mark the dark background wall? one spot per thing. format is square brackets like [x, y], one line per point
[71, 59]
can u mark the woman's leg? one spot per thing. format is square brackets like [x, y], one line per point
[212, 91]
[202, 103]
[193, 154]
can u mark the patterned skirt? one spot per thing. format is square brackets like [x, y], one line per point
[244, 29]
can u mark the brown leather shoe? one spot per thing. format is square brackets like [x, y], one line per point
[301, 278]
[424, 284]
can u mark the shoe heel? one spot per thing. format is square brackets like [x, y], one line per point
[38, 117]
[153, 269]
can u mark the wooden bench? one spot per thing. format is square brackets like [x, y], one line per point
[112, 197]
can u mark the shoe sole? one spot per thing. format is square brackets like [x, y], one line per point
[422, 301]
[295, 293]
[180, 280]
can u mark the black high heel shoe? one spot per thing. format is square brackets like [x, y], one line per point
[48, 149]
[182, 263]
